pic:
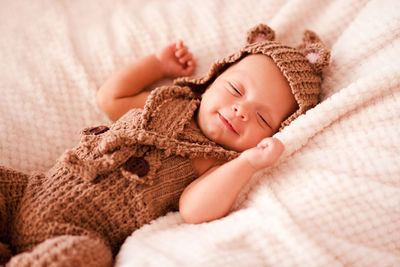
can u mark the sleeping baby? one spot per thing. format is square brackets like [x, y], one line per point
[190, 147]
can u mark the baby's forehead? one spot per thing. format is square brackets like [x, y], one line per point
[256, 66]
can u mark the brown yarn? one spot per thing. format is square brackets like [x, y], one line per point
[301, 66]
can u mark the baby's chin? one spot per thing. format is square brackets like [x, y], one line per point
[224, 143]
[240, 147]
[229, 144]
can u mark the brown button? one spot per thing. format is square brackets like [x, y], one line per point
[96, 130]
[138, 166]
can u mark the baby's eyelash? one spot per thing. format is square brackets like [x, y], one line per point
[236, 90]
[261, 117]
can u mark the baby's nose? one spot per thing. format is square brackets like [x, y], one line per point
[240, 112]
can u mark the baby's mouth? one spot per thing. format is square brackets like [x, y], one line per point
[227, 124]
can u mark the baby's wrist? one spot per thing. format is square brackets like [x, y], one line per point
[247, 162]
[159, 65]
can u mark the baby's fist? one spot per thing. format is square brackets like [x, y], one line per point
[176, 60]
[265, 154]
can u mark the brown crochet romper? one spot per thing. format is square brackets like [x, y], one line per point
[117, 179]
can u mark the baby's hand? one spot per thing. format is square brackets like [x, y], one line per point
[176, 60]
[265, 154]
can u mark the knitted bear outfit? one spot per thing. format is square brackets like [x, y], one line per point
[122, 176]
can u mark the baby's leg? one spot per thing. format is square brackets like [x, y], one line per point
[66, 251]
[12, 187]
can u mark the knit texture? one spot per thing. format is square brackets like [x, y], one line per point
[301, 66]
[117, 179]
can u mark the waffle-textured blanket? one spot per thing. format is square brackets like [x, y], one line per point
[333, 199]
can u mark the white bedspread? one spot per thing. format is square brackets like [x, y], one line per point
[333, 199]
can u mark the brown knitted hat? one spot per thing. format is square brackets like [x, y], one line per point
[301, 66]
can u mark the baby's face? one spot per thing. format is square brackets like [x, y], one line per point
[246, 103]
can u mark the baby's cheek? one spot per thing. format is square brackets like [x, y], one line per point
[252, 140]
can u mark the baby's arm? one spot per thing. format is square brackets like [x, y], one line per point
[212, 195]
[123, 90]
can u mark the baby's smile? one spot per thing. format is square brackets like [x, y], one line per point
[227, 123]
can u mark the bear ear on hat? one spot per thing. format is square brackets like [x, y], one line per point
[314, 51]
[260, 33]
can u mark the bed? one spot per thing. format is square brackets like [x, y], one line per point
[333, 198]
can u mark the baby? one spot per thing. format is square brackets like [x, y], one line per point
[190, 147]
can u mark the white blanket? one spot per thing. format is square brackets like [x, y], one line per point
[333, 199]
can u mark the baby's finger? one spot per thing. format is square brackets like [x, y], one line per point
[185, 58]
[181, 52]
[188, 70]
[191, 63]
[264, 143]
[178, 44]
[276, 145]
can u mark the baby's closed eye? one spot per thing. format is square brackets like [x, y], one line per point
[234, 89]
[264, 121]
